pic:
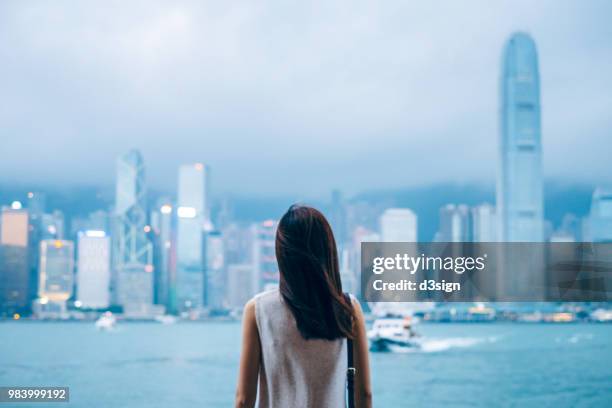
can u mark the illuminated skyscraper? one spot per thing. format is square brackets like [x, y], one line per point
[519, 184]
[52, 225]
[15, 277]
[216, 282]
[161, 222]
[93, 269]
[132, 250]
[192, 213]
[56, 270]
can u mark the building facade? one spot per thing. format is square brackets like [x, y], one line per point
[132, 251]
[398, 225]
[216, 279]
[519, 184]
[192, 217]
[93, 269]
[16, 283]
[601, 216]
[56, 270]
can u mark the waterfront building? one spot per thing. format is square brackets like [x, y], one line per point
[484, 223]
[455, 224]
[601, 216]
[164, 255]
[192, 217]
[398, 225]
[216, 281]
[55, 278]
[93, 269]
[519, 185]
[15, 272]
[520, 203]
[240, 285]
[264, 255]
[132, 251]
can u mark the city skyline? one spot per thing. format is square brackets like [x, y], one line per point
[169, 252]
[219, 114]
[193, 192]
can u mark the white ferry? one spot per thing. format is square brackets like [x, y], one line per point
[165, 319]
[106, 322]
[394, 334]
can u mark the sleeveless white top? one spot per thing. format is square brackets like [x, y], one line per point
[296, 372]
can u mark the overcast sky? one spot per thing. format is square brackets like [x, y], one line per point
[286, 97]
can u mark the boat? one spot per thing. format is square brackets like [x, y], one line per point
[106, 322]
[165, 319]
[602, 315]
[394, 334]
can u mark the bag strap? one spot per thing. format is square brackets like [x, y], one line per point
[350, 371]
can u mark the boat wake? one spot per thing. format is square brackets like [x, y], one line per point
[396, 335]
[437, 345]
[574, 338]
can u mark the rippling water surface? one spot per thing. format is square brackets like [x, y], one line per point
[194, 365]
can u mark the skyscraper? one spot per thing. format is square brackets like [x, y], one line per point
[93, 269]
[347, 274]
[52, 225]
[161, 222]
[36, 203]
[216, 282]
[192, 213]
[132, 250]
[15, 277]
[601, 216]
[484, 223]
[454, 224]
[519, 184]
[264, 255]
[398, 225]
[239, 285]
[56, 270]
[337, 217]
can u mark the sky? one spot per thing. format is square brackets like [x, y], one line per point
[294, 97]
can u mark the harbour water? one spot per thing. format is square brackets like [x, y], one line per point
[150, 365]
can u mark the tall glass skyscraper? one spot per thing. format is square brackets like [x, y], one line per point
[192, 217]
[519, 184]
[132, 250]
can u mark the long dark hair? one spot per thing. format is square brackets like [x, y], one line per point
[309, 275]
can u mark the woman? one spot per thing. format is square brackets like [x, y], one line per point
[294, 337]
